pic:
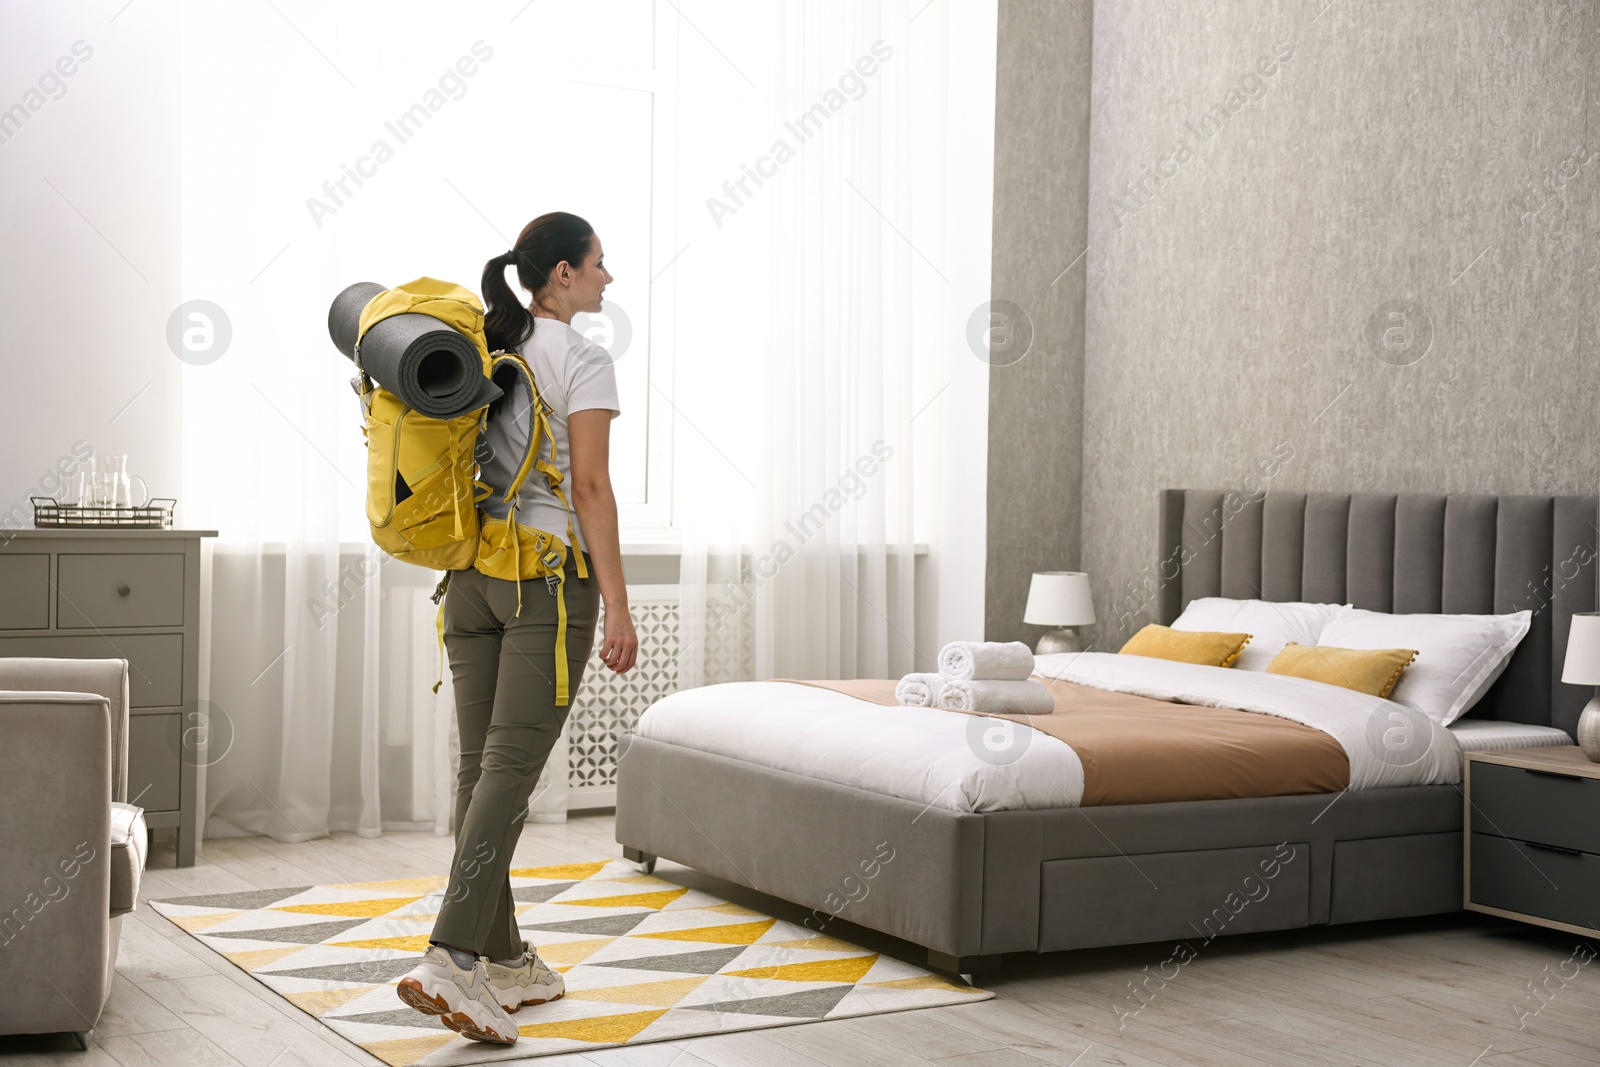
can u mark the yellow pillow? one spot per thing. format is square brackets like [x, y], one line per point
[1186, 646]
[1374, 671]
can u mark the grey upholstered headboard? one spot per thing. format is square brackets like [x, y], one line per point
[1400, 552]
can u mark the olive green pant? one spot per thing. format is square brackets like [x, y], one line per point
[503, 669]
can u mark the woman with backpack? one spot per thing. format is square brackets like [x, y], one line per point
[504, 636]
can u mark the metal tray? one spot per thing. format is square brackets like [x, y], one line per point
[156, 514]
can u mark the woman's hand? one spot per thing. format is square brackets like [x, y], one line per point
[619, 646]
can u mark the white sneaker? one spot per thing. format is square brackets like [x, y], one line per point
[531, 983]
[463, 999]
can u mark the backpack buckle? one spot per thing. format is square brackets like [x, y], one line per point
[552, 562]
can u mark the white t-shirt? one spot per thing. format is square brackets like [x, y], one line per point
[573, 374]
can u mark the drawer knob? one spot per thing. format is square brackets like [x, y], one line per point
[123, 590]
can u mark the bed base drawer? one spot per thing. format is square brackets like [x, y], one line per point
[1189, 896]
[1394, 877]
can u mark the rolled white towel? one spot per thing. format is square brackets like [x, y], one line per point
[1004, 697]
[988, 660]
[918, 690]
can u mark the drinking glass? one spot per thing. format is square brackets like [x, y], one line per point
[81, 488]
[88, 484]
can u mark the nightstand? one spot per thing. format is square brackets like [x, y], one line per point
[1533, 837]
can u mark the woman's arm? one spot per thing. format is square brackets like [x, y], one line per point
[596, 505]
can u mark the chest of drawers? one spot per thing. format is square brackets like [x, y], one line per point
[126, 594]
[1533, 840]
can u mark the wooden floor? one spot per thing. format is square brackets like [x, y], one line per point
[1443, 991]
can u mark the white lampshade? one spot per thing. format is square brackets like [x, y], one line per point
[1059, 598]
[1583, 650]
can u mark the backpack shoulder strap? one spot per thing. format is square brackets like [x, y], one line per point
[538, 425]
[538, 433]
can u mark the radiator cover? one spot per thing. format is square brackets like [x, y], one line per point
[608, 705]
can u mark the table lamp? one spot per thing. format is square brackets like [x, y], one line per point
[1061, 600]
[1583, 668]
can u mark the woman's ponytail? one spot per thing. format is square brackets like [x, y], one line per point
[543, 243]
[507, 323]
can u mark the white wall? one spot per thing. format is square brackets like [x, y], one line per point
[89, 242]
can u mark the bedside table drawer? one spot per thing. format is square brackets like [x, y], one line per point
[1552, 809]
[120, 589]
[1541, 882]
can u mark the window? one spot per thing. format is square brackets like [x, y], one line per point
[328, 144]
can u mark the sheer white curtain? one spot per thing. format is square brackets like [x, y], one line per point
[824, 224]
[270, 461]
[320, 653]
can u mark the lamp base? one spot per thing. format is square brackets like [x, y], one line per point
[1066, 640]
[1589, 730]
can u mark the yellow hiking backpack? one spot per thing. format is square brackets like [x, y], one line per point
[423, 495]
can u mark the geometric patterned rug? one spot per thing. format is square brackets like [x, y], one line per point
[644, 960]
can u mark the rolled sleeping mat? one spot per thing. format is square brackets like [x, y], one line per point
[432, 367]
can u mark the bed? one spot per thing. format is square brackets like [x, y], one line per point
[989, 875]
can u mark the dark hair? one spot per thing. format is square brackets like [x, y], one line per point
[542, 244]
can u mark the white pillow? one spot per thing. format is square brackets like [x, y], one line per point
[1270, 624]
[1458, 656]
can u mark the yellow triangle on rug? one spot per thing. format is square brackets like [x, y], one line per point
[193, 923]
[260, 957]
[417, 943]
[399, 885]
[570, 952]
[819, 943]
[657, 994]
[603, 1030]
[406, 1051]
[848, 970]
[732, 909]
[727, 934]
[575, 872]
[355, 909]
[318, 1001]
[926, 981]
[653, 901]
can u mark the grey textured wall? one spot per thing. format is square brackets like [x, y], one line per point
[1041, 176]
[1332, 246]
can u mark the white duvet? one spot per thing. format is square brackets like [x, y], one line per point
[966, 763]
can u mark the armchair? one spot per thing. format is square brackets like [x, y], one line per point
[74, 848]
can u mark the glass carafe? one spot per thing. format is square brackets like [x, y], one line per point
[121, 483]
